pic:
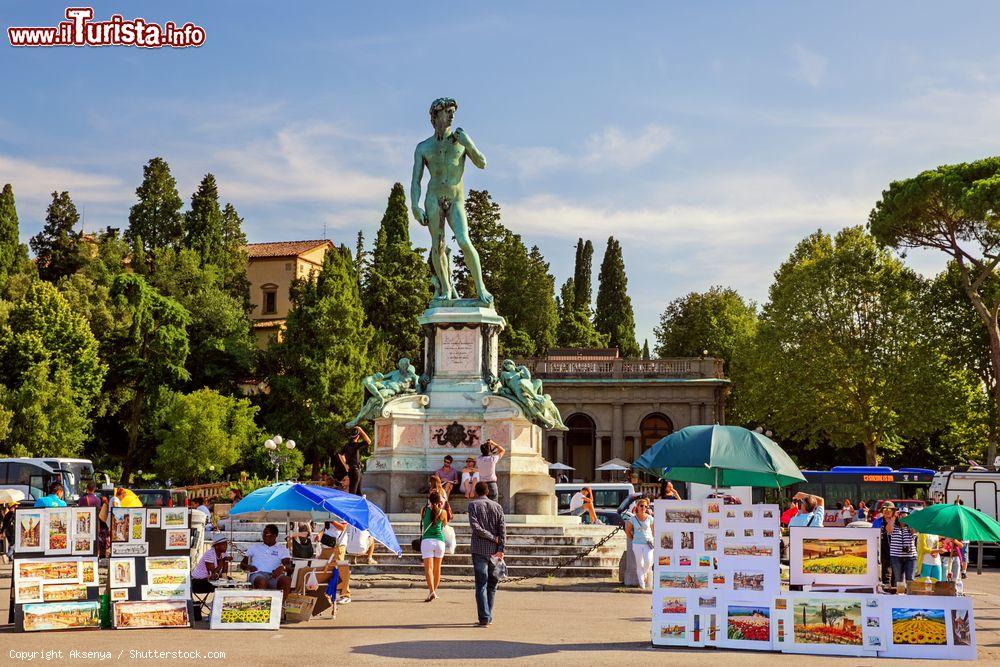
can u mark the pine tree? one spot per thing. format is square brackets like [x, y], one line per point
[582, 273]
[156, 218]
[13, 253]
[614, 316]
[203, 223]
[645, 350]
[315, 372]
[361, 260]
[233, 258]
[397, 284]
[57, 246]
[488, 236]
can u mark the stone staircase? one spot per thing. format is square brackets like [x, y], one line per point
[534, 546]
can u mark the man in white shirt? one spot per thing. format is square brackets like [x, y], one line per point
[269, 564]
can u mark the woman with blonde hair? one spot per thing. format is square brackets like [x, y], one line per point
[433, 519]
[450, 539]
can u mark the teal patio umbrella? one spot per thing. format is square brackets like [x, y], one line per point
[720, 456]
[956, 521]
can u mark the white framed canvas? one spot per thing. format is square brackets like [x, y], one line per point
[821, 623]
[747, 623]
[120, 526]
[173, 517]
[119, 594]
[677, 514]
[54, 570]
[168, 578]
[157, 614]
[88, 571]
[170, 592]
[177, 539]
[751, 549]
[58, 531]
[28, 590]
[121, 572]
[82, 546]
[136, 549]
[152, 518]
[84, 522]
[838, 557]
[670, 630]
[245, 610]
[168, 563]
[747, 579]
[29, 531]
[929, 626]
[137, 531]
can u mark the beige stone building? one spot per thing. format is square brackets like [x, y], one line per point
[617, 408]
[271, 270]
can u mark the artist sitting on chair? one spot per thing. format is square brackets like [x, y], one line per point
[269, 564]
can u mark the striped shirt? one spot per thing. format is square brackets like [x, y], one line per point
[901, 542]
[489, 532]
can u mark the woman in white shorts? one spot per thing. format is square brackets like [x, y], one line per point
[469, 478]
[433, 519]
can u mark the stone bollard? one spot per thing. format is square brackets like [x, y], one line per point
[626, 570]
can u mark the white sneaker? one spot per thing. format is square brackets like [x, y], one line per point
[344, 600]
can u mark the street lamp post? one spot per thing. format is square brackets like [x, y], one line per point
[273, 447]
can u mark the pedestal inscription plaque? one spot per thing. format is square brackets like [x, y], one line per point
[459, 351]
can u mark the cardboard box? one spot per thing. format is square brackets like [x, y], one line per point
[945, 588]
[299, 607]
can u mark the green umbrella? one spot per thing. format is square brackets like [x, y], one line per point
[956, 521]
[720, 455]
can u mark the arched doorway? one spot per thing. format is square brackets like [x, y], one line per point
[652, 428]
[580, 440]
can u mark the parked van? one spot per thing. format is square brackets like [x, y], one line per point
[978, 488]
[33, 476]
[608, 498]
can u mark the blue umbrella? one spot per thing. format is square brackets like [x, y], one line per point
[302, 502]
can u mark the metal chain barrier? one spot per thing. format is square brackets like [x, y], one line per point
[550, 572]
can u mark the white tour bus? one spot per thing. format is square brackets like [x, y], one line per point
[33, 476]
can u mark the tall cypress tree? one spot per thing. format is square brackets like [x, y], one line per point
[614, 316]
[397, 285]
[582, 274]
[156, 218]
[575, 328]
[233, 258]
[12, 252]
[645, 350]
[57, 246]
[203, 223]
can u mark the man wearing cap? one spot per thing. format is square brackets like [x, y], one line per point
[212, 565]
[902, 549]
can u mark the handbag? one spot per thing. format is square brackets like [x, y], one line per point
[415, 545]
[303, 549]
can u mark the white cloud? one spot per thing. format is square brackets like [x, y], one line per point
[810, 67]
[35, 181]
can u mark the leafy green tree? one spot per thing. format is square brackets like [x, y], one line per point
[718, 321]
[147, 352]
[202, 429]
[954, 209]
[314, 373]
[221, 350]
[614, 317]
[840, 355]
[397, 286]
[203, 223]
[13, 253]
[42, 328]
[57, 247]
[39, 416]
[155, 221]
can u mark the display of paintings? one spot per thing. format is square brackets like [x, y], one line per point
[120, 524]
[137, 527]
[60, 571]
[152, 518]
[129, 549]
[178, 539]
[748, 625]
[84, 523]
[246, 610]
[174, 517]
[845, 557]
[58, 531]
[88, 571]
[121, 572]
[173, 592]
[62, 616]
[158, 614]
[64, 592]
[29, 525]
[28, 590]
[929, 626]
[118, 594]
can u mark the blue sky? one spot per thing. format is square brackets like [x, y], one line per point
[707, 137]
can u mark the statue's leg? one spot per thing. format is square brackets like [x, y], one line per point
[460, 227]
[439, 256]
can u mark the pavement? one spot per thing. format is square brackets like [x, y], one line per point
[570, 622]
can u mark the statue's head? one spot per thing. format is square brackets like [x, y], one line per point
[508, 365]
[443, 112]
[403, 365]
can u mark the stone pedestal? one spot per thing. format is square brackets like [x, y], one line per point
[456, 414]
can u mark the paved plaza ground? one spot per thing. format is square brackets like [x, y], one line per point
[563, 625]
